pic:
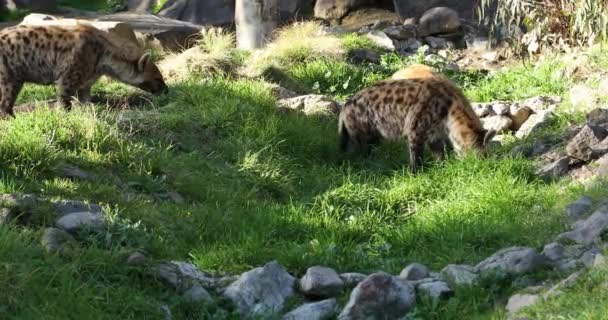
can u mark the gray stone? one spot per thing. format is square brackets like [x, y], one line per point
[166, 311]
[438, 20]
[321, 310]
[310, 104]
[597, 116]
[553, 251]
[569, 282]
[555, 169]
[574, 251]
[380, 296]
[483, 109]
[566, 265]
[577, 209]
[535, 122]
[79, 221]
[477, 43]
[136, 258]
[599, 261]
[513, 260]
[402, 32]
[70, 206]
[183, 275]
[542, 103]
[497, 123]
[74, 173]
[409, 45]
[363, 56]
[197, 294]
[588, 230]
[520, 301]
[56, 240]
[437, 43]
[414, 271]
[460, 275]
[261, 291]
[588, 257]
[436, 289]
[332, 10]
[588, 143]
[500, 109]
[380, 39]
[352, 279]
[321, 282]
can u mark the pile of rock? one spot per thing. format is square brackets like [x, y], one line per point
[520, 118]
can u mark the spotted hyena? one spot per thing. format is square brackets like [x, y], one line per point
[73, 58]
[423, 110]
[414, 71]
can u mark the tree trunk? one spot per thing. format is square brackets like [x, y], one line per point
[255, 20]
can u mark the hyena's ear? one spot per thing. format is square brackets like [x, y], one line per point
[489, 134]
[143, 61]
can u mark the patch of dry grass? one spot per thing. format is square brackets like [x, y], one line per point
[214, 53]
[296, 43]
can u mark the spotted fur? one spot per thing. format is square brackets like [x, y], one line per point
[73, 58]
[424, 110]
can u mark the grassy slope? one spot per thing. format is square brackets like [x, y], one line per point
[259, 185]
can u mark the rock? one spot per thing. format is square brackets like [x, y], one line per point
[498, 123]
[35, 17]
[408, 46]
[136, 258]
[363, 56]
[599, 261]
[553, 251]
[311, 104]
[225, 281]
[542, 103]
[520, 301]
[588, 230]
[460, 275]
[156, 31]
[535, 122]
[597, 116]
[436, 289]
[574, 251]
[438, 20]
[183, 276]
[380, 39]
[483, 109]
[261, 291]
[437, 43]
[321, 282]
[166, 311]
[141, 5]
[588, 257]
[500, 109]
[352, 279]
[513, 260]
[380, 296]
[170, 196]
[64, 207]
[334, 10]
[414, 271]
[209, 12]
[491, 56]
[55, 240]
[74, 173]
[582, 95]
[567, 283]
[555, 169]
[577, 209]
[321, 310]
[588, 144]
[282, 93]
[80, 221]
[197, 294]
[566, 265]
[519, 114]
[402, 32]
[477, 43]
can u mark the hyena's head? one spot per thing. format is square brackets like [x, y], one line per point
[149, 77]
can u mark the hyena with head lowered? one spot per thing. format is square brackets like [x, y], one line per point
[423, 110]
[72, 57]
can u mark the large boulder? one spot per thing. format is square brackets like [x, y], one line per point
[415, 8]
[334, 10]
[170, 34]
[438, 20]
[589, 143]
[221, 12]
[589, 230]
[321, 282]
[513, 260]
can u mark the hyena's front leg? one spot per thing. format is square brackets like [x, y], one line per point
[9, 91]
[66, 94]
[438, 149]
[416, 151]
[84, 93]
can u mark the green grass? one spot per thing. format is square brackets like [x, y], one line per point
[259, 185]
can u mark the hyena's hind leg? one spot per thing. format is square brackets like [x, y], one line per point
[416, 152]
[439, 148]
[8, 94]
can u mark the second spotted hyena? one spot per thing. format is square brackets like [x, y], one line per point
[73, 58]
[423, 110]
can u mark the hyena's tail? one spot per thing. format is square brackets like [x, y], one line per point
[344, 137]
